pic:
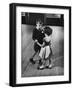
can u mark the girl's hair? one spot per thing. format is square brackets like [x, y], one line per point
[48, 31]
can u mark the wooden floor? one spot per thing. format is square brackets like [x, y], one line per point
[31, 70]
[27, 50]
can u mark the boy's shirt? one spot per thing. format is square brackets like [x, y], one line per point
[38, 35]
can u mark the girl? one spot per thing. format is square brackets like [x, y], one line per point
[46, 51]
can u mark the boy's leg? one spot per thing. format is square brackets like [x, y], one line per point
[31, 59]
[36, 49]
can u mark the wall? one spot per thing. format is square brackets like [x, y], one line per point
[48, 19]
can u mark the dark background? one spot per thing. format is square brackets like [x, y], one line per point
[48, 19]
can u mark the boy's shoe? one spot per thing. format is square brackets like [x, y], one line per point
[32, 61]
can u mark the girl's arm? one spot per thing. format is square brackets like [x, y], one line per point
[47, 38]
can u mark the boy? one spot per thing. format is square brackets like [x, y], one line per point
[38, 37]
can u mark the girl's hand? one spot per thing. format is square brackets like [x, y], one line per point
[36, 41]
[43, 44]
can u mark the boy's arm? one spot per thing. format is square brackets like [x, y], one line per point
[34, 34]
[38, 43]
[41, 45]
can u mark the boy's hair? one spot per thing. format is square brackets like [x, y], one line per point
[40, 21]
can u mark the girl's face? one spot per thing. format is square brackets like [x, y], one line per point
[38, 25]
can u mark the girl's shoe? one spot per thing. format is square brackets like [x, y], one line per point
[41, 67]
[49, 66]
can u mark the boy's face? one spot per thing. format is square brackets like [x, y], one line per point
[38, 25]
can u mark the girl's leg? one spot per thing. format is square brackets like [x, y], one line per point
[48, 60]
[42, 61]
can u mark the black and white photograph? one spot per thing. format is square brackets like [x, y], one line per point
[42, 44]
[40, 40]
